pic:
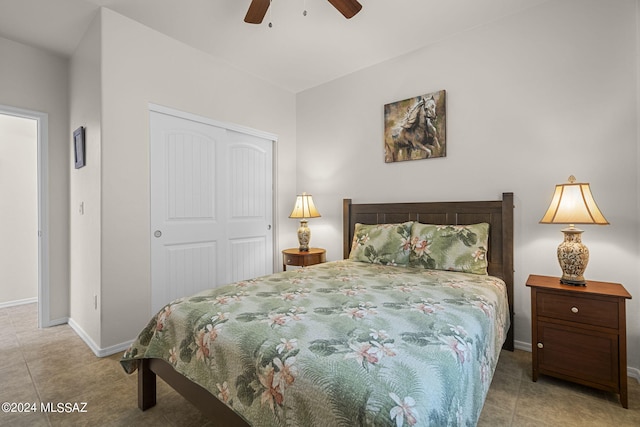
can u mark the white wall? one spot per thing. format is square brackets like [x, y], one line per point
[18, 209]
[35, 80]
[141, 66]
[85, 213]
[531, 99]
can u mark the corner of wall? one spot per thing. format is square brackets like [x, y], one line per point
[85, 187]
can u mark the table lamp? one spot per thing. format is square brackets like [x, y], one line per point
[573, 203]
[303, 209]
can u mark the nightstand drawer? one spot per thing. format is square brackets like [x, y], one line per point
[290, 259]
[310, 259]
[591, 311]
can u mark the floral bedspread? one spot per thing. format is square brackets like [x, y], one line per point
[343, 343]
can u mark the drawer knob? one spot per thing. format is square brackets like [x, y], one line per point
[540, 345]
[574, 309]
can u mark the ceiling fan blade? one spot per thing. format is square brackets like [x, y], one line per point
[257, 11]
[347, 7]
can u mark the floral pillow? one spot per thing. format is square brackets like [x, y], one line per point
[382, 243]
[450, 247]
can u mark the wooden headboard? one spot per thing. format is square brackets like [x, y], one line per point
[498, 213]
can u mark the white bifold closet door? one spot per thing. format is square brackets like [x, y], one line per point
[211, 206]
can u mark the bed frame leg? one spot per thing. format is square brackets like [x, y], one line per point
[146, 386]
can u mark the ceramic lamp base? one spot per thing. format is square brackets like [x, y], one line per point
[304, 236]
[573, 257]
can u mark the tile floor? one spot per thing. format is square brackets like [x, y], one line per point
[55, 365]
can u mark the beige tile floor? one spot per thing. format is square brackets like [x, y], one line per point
[55, 365]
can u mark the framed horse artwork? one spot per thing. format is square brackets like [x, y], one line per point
[415, 128]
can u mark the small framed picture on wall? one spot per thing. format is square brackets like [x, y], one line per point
[79, 147]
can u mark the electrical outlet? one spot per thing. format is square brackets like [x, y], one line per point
[81, 210]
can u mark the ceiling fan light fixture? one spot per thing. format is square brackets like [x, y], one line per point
[258, 10]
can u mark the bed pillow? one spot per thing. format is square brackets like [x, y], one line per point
[450, 247]
[382, 243]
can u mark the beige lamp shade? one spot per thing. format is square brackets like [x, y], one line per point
[573, 203]
[303, 209]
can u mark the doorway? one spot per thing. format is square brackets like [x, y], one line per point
[24, 209]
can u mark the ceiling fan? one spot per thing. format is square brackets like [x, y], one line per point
[258, 9]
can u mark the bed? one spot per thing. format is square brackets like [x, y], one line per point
[379, 338]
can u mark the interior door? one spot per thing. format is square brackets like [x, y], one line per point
[211, 207]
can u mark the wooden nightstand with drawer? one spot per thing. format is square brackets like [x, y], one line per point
[300, 258]
[579, 333]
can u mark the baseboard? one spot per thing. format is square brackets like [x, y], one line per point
[526, 346]
[18, 302]
[118, 348]
[55, 322]
[97, 350]
[521, 345]
[85, 337]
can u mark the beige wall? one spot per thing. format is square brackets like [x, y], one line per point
[139, 66]
[35, 80]
[18, 209]
[531, 99]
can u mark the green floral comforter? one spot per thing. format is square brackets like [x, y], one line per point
[343, 343]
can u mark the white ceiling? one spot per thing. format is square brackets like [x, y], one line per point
[297, 53]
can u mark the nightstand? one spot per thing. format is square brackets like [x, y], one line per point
[579, 333]
[300, 258]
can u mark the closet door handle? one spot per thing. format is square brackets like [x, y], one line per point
[157, 233]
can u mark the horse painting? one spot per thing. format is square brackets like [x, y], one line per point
[415, 128]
